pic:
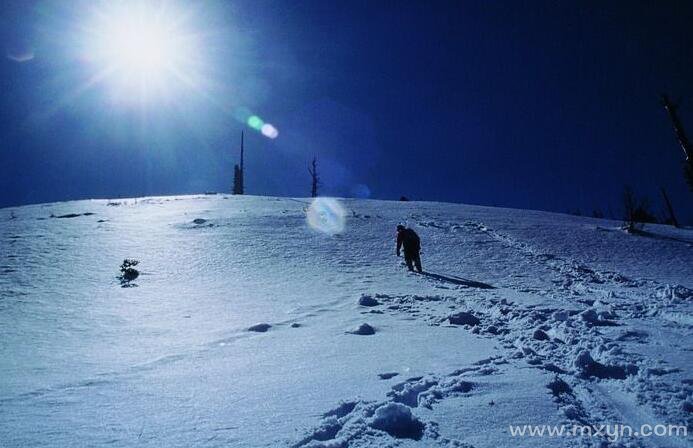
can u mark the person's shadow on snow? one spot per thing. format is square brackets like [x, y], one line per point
[458, 281]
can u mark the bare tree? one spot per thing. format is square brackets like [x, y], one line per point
[671, 218]
[635, 211]
[238, 171]
[672, 110]
[315, 180]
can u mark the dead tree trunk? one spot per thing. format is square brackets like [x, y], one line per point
[670, 209]
[682, 139]
[315, 180]
[238, 171]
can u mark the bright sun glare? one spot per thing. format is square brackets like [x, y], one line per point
[138, 47]
[142, 49]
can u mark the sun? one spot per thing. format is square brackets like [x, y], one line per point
[139, 47]
[143, 50]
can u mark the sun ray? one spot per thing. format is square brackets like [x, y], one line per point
[74, 94]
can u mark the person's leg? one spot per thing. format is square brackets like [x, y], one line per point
[408, 259]
[417, 262]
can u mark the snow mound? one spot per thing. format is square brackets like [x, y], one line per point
[364, 330]
[397, 420]
[366, 300]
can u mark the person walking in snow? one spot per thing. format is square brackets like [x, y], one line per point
[409, 240]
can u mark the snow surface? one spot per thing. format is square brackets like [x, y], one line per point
[248, 327]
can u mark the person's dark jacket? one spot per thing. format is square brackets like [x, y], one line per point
[408, 239]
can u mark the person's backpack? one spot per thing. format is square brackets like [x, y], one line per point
[411, 240]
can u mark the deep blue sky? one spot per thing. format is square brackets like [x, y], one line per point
[541, 104]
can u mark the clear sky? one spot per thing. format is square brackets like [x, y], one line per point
[540, 104]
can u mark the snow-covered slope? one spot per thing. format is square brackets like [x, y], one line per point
[570, 321]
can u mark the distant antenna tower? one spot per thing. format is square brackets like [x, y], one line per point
[315, 180]
[238, 173]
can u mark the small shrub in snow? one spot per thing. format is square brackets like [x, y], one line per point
[397, 420]
[464, 318]
[128, 273]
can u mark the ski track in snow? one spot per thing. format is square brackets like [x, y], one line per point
[587, 331]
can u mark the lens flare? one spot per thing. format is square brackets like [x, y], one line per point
[269, 131]
[326, 215]
[255, 122]
[243, 115]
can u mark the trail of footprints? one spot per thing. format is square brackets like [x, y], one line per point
[381, 423]
[563, 341]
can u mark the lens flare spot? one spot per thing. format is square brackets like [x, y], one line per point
[327, 215]
[269, 131]
[255, 122]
